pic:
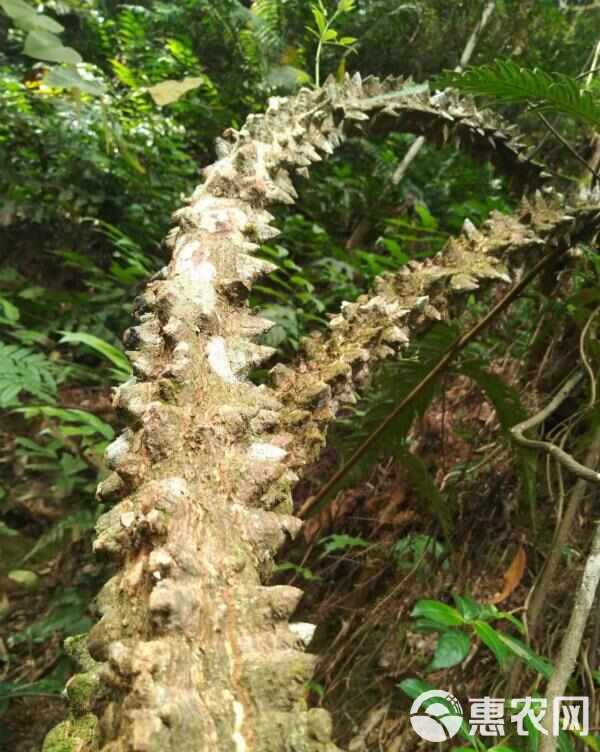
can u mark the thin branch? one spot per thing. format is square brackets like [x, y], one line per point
[567, 145]
[470, 46]
[571, 643]
[416, 147]
[548, 576]
[565, 459]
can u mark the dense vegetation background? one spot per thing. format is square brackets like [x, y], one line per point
[108, 112]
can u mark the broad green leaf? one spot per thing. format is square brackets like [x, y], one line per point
[452, 648]
[468, 607]
[414, 687]
[11, 312]
[24, 578]
[438, 612]
[68, 77]
[7, 532]
[28, 18]
[525, 653]
[492, 638]
[167, 92]
[426, 625]
[116, 356]
[42, 45]
[320, 19]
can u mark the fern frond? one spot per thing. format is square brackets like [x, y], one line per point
[268, 26]
[25, 370]
[73, 527]
[507, 82]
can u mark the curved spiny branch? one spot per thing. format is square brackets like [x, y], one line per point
[193, 652]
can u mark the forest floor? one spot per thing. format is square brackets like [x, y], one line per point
[364, 560]
[386, 554]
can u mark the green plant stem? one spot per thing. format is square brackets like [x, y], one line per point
[320, 49]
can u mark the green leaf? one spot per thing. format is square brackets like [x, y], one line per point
[333, 543]
[508, 82]
[345, 6]
[7, 532]
[124, 74]
[505, 398]
[414, 687]
[68, 77]
[493, 639]
[452, 648]
[116, 356]
[24, 578]
[593, 742]
[438, 612]
[304, 572]
[42, 45]
[469, 608]
[28, 18]
[78, 417]
[320, 19]
[564, 743]
[11, 312]
[526, 654]
[25, 370]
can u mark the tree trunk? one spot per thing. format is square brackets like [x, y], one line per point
[193, 651]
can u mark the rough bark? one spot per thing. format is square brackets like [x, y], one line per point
[193, 651]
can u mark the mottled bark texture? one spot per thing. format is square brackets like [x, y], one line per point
[193, 652]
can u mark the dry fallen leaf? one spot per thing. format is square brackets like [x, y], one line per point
[512, 576]
[167, 92]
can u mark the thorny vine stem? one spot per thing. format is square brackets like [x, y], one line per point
[442, 364]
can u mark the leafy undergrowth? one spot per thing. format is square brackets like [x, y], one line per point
[48, 575]
[401, 608]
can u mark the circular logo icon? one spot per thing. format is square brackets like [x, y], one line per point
[436, 715]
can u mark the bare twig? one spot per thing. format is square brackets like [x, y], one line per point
[559, 454]
[571, 643]
[473, 39]
[567, 145]
[416, 147]
[548, 575]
